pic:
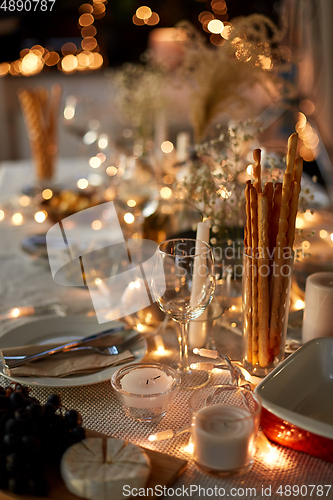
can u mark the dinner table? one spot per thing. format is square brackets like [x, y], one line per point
[277, 471]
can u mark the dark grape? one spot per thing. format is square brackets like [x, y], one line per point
[22, 415]
[73, 418]
[12, 426]
[16, 400]
[14, 463]
[49, 410]
[36, 410]
[3, 480]
[31, 444]
[38, 486]
[4, 403]
[18, 485]
[33, 435]
[78, 433]
[54, 399]
[11, 441]
[29, 400]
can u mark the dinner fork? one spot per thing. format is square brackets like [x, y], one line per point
[14, 362]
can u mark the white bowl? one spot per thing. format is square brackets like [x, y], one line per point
[297, 400]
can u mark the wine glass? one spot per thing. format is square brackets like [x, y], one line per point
[137, 190]
[183, 285]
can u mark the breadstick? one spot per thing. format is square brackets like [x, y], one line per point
[298, 170]
[248, 273]
[254, 273]
[257, 170]
[248, 241]
[296, 189]
[281, 240]
[263, 279]
[275, 216]
[291, 154]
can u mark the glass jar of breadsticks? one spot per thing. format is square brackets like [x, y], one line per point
[40, 110]
[268, 262]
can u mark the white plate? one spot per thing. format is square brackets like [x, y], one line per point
[65, 329]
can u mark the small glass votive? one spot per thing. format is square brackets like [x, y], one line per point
[202, 329]
[266, 291]
[145, 389]
[224, 425]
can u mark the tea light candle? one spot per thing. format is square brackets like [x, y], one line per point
[318, 311]
[144, 382]
[223, 437]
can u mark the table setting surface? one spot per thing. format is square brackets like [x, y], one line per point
[24, 282]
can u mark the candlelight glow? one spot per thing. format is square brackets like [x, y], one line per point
[103, 142]
[96, 225]
[129, 218]
[299, 222]
[308, 216]
[166, 192]
[98, 281]
[323, 233]
[17, 219]
[331, 236]
[189, 448]
[2, 214]
[24, 201]
[82, 183]
[69, 63]
[215, 26]
[111, 171]
[167, 147]
[47, 194]
[306, 244]
[131, 203]
[40, 216]
[143, 12]
[249, 169]
[15, 312]
[159, 344]
[299, 304]
[95, 162]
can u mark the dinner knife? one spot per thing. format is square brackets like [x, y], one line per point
[70, 345]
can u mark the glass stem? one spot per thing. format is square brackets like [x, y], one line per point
[183, 347]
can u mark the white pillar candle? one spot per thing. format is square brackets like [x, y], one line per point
[223, 437]
[318, 311]
[146, 382]
[197, 330]
[182, 145]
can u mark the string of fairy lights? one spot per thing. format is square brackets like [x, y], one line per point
[71, 58]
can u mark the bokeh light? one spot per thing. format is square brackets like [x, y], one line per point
[129, 218]
[215, 26]
[47, 194]
[82, 183]
[143, 12]
[17, 219]
[40, 216]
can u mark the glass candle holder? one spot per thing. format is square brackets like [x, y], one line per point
[145, 389]
[224, 424]
[265, 310]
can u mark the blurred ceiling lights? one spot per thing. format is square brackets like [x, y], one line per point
[72, 59]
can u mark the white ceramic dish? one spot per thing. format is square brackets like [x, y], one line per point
[65, 329]
[297, 400]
